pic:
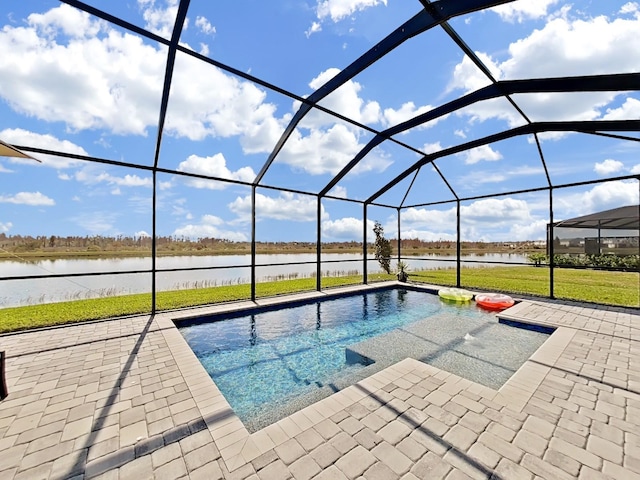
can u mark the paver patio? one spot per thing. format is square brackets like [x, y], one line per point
[127, 398]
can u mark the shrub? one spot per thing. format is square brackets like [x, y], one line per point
[382, 248]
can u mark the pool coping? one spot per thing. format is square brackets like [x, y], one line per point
[238, 447]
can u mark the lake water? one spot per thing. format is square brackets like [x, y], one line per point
[228, 270]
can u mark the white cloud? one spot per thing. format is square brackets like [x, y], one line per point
[427, 236]
[345, 100]
[106, 79]
[498, 220]
[328, 151]
[178, 208]
[98, 78]
[611, 195]
[431, 147]
[338, 191]
[534, 230]
[563, 47]
[460, 133]
[103, 79]
[19, 136]
[321, 144]
[288, 206]
[233, 108]
[343, 229]
[425, 224]
[503, 175]
[338, 10]
[4, 169]
[603, 196]
[630, 7]
[205, 26]
[434, 220]
[635, 169]
[160, 20]
[468, 77]
[139, 204]
[141, 234]
[520, 11]
[608, 166]
[70, 21]
[494, 212]
[209, 227]
[479, 154]
[576, 47]
[97, 223]
[130, 181]
[629, 110]
[91, 175]
[33, 199]
[314, 28]
[5, 227]
[214, 166]
[407, 111]
[487, 220]
[204, 49]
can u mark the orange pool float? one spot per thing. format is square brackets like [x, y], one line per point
[494, 301]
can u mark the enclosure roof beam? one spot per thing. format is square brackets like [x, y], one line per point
[568, 126]
[518, 192]
[476, 60]
[593, 83]
[421, 22]
[618, 137]
[168, 74]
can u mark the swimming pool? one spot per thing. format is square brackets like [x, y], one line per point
[271, 362]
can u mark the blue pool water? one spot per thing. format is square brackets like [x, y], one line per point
[271, 363]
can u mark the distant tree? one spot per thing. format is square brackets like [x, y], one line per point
[382, 248]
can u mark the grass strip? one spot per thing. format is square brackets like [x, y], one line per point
[613, 288]
[597, 286]
[58, 313]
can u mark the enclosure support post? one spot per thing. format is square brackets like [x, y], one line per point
[550, 245]
[253, 243]
[154, 245]
[3, 382]
[319, 246]
[399, 239]
[459, 236]
[364, 243]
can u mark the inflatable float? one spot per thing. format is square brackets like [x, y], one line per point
[455, 294]
[494, 301]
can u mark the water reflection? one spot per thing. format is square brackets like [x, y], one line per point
[228, 270]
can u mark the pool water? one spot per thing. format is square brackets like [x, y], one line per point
[270, 363]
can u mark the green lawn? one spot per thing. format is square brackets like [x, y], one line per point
[614, 288]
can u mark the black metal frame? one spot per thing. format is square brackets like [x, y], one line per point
[431, 15]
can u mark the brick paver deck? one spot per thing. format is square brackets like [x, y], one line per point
[128, 399]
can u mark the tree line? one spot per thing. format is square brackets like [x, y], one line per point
[175, 244]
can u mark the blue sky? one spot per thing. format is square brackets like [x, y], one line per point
[73, 83]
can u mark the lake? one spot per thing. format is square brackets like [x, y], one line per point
[228, 270]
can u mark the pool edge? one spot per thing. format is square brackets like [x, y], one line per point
[238, 447]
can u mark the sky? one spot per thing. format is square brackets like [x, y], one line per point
[74, 83]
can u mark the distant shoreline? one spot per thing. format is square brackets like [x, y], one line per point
[288, 250]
